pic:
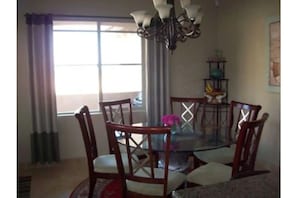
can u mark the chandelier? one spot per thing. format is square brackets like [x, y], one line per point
[165, 26]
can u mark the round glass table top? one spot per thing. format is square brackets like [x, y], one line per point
[184, 140]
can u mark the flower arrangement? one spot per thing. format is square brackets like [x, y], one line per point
[171, 120]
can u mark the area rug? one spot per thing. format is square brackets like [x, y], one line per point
[103, 189]
[24, 186]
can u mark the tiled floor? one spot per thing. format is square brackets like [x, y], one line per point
[57, 180]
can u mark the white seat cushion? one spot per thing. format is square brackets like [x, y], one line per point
[223, 155]
[175, 179]
[108, 164]
[210, 173]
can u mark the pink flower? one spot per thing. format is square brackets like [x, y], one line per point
[170, 119]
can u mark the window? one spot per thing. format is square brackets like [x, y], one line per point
[96, 60]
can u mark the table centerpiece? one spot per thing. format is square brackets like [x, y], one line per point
[173, 121]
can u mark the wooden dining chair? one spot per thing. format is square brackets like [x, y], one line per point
[117, 111]
[103, 166]
[143, 179]
[190, 110]
[243, 160]
[238, 113]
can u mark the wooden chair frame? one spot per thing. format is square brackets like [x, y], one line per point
[110, 109]
[191, 107]
[86, 125]
[244, 159]
[238, 113]
[147, 165]
[247, 146]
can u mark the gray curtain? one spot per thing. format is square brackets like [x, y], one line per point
[158, 79]
[44, 137]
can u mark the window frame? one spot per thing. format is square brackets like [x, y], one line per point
[99, 20]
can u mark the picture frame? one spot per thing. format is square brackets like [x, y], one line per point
[273, 54]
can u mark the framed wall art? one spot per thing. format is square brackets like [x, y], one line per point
[273, 54]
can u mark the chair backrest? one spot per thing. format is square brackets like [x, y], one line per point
[247, 145]
[140, 170]
[86, 125]
[237, 114]
[190, 110]
[116, 111]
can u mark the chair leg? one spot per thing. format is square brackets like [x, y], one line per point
[92, 186]
[191, 163]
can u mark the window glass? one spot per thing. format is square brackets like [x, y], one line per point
[124, 81]
[75, 86]
[75, 25]
[114, 26]
[75, 48]
[92, 62]
[120, 48]
[75, 80]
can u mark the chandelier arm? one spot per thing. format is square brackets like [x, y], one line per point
[196, 33]
[181, 36]
[146, 33]
[172, 29]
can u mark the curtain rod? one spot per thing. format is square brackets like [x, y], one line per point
[84, 16]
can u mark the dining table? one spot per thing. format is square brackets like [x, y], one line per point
[184, 141]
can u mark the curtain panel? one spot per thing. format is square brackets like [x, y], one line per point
[44, 137]
[158, 79]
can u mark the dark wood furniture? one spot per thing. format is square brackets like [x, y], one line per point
[185, 141]
[238, 113]
[182, 146]
[117, 111]
[190, 110]
[243, 160]
[216, 91]
[218, 81]
[103, 166]
[143, 179]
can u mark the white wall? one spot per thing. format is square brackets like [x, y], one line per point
[241, 35]
[71, 142]
[71, 145]
[187, 63]
[234, 26]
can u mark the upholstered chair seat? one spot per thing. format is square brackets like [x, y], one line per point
[210, 173]
[223, 155]
[108, 164]
[238, 113]
[243, 163]
[99, 166]
[143, 179]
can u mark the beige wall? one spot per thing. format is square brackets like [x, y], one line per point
[71, 144]
[188, 61]
[187, 64]
[242, 42]
[241, 35]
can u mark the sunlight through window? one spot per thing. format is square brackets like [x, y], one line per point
[81, 77]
